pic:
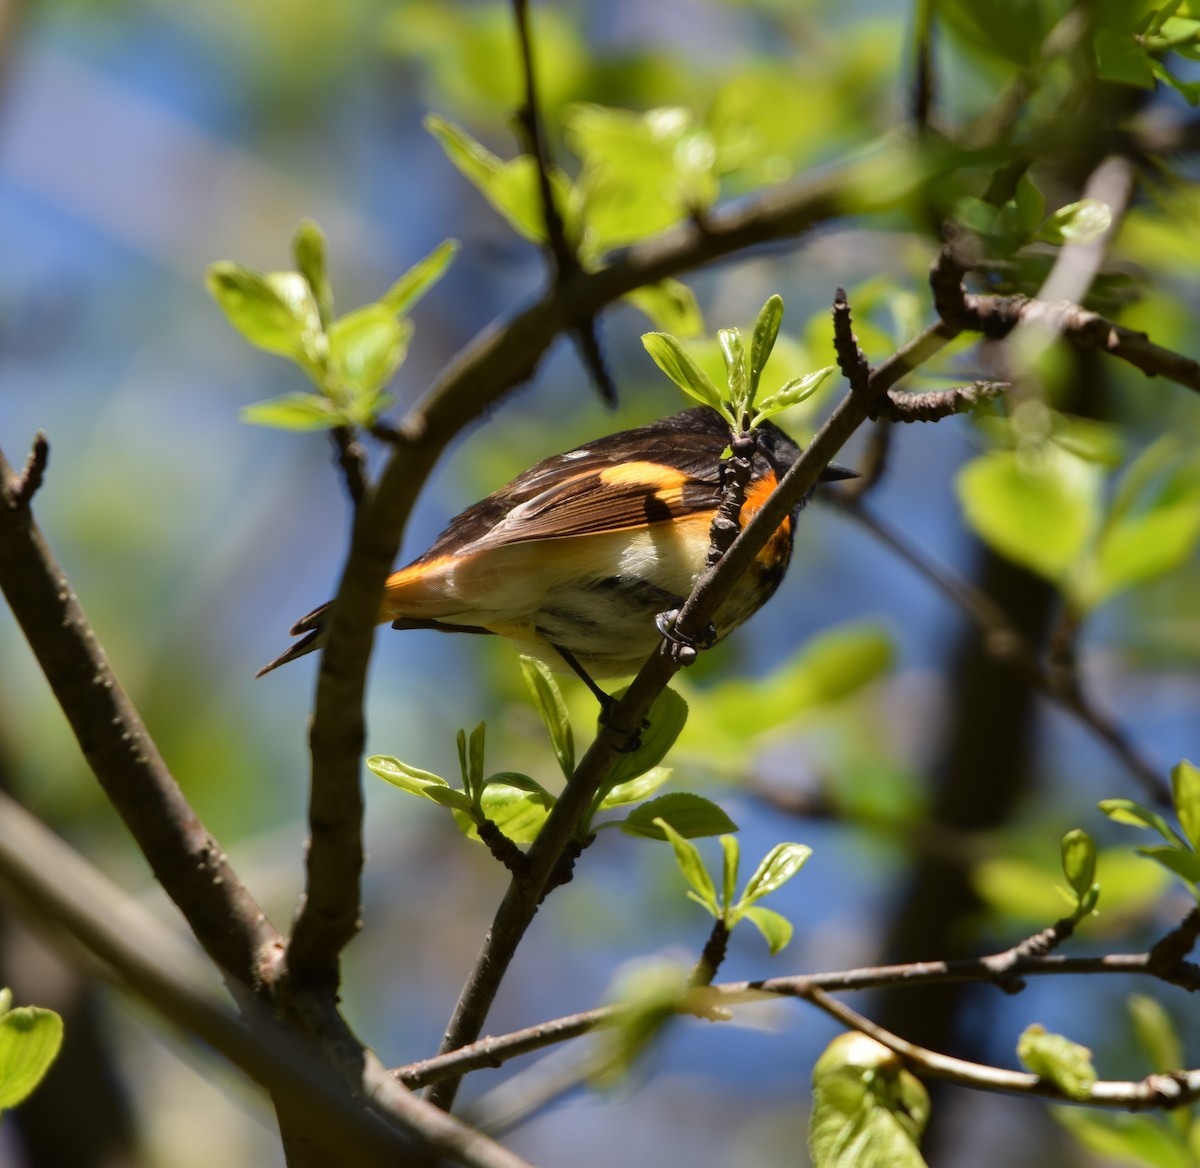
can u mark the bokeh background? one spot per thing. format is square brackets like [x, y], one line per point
[141, 141]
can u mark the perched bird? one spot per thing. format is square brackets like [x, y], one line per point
[573, 559]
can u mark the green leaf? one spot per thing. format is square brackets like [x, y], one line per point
[552, 709]
[417, 782]
[671, 306]
[731, 856]
[649, 994]
[667, 718]
[1030, 206]
[1185, 790]
[1062, 1062]
[1120, 58]
[867, 1109]
[691, 816]
[511, 187]
[308, 248]
[1127, 811]
[669, 356]
[422, 276]
[474, 757]
[1156, 1034]
[30, 1038]
[517, 805]
[687, 857]
[1139, 547]
[792, 394]
[1079, 861]
[778, 866]
[1183, 862]
[635, 789]
[365, 348]
[1038, 510]
[294, 411]
[275, 311]
[734, 353]
[5, 1000]
[1125, 1139]
[775, 927]
[1077, 223]
[766, 329]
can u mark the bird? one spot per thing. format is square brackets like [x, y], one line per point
[574, 560]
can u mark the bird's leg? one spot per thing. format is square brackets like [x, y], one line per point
[606, 700]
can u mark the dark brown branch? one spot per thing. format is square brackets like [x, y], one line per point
[934, 405]
[52, 883]
[24, 486]
[352, 458]
[186, 860]
[852, 361]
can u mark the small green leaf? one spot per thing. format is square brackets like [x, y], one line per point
[274, 311]
[365, 348]
[1079, 861]
[687, 857]
[308, 248]
[671, 306]
[792, 394]
[867, 1109]
[731, 855]
[775, 927]
[1156, 1034]
[1127, 811]
[1057, 1059]
[30, 1038]
[734, 353]
[1077, 223]
[669, 356]
[766, 329]
[475, 747]
[5, 1000]
[422, 276]
[778, 866]
[1185, 790]
[667, 718]
[417, 782]
[635, 789]
[552, 709]
[517, 805]
[294, 411]
[692, 816]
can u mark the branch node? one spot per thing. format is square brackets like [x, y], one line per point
[22, 487]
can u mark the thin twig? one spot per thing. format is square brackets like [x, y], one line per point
[24, 486]
[352, 458]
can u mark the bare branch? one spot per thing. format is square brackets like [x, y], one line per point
[25, 485]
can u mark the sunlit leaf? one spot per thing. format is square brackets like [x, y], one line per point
[766, 329]
[687, 857]
[1125, 1139]
[1185, 790]
[1156, 1033]
[1079, 861]
[295, 411]
[1064, 1063]
[552, 709]
[1077, 222]
[417, 782]
[778, 866]
[635, 789]
[775, 927]
[30, 1038]
[867, 1109]
[668, 354]
[422, 276]
[1127, 811]
[308, 248]
[1038, 511]
[365, 348]
[671, 306]
[792, 393]
[274, 311]
[691, 816]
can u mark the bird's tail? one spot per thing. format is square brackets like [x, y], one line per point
[311, 629]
